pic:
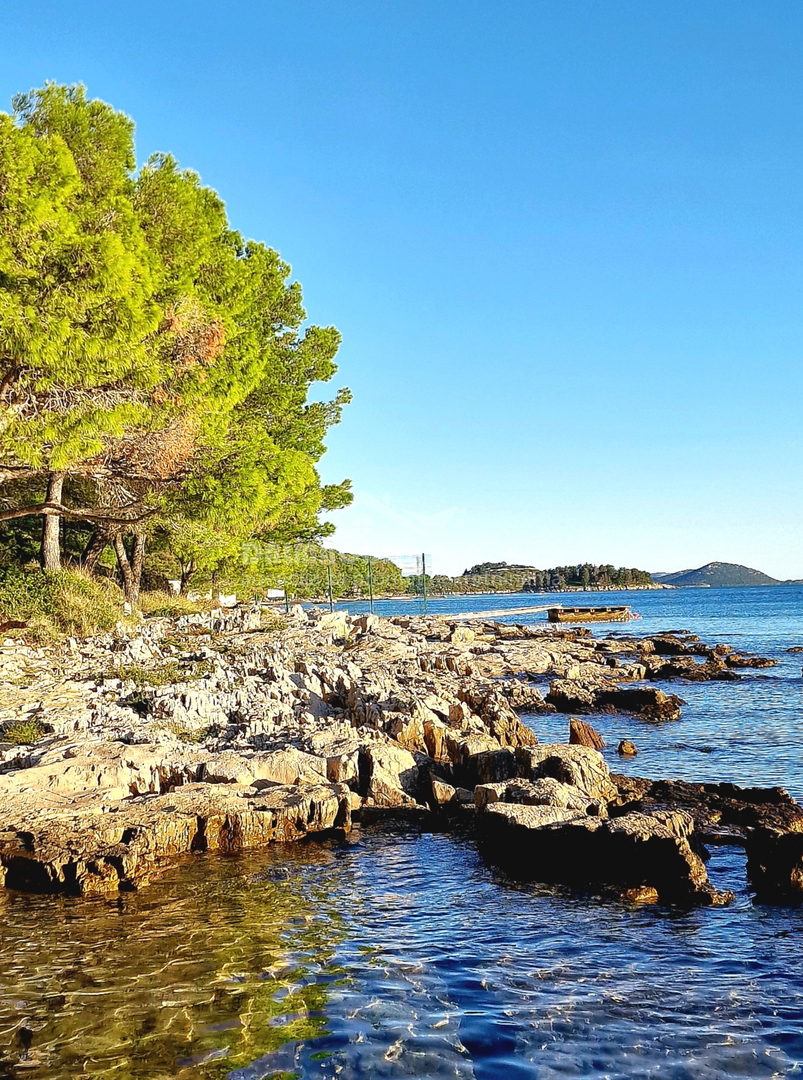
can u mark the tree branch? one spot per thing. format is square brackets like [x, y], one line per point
[74, 514]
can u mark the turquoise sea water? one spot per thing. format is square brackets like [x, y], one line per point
[404, 955]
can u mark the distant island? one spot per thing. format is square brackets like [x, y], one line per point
[717, 575]
[490, 577]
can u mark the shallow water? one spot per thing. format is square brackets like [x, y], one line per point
[404, 955]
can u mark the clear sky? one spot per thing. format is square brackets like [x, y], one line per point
[563, 240]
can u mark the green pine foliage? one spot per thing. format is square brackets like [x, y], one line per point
[155, 366]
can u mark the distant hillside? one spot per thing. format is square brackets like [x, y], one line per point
[489, 577]
[718, 574]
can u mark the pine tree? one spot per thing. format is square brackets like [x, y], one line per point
[153, 370]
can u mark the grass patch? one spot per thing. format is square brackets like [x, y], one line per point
[164, 674]
[191, 736]
[23, 732]
[161, 675]
[55, 604]
[163, 605]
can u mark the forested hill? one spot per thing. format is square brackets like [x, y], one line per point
[717, 575]
[505, 577]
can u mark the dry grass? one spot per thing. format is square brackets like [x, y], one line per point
[166, 605]
[54, 605]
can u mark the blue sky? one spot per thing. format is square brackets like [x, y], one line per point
[563, 241]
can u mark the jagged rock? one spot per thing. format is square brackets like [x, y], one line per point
[335, 624]
[665, 645]
[478, 759]
[393, 775]
[626, 748]
[631, 852]
[462, 635]
[569, 696]
[114, 769]
[523, 696]
[579, 766]
[583, 734]
[648, 702]
[442, 793]
[288, 766]
[721, 812]
[737, 660]
[775, 865]
[545, 791]
[713, 669]
[370, 703]
[515, 817]
[341, 753]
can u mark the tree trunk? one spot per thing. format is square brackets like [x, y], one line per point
[51, 525]
[187, 571]
[125, 566]
[98, 542]
[137, 562]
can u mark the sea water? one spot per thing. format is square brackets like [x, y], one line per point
[402, 954]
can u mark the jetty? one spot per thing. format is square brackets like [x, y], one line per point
[498, 613]
[556, 613]
[560, 614]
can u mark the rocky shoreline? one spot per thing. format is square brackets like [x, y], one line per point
[210, 733]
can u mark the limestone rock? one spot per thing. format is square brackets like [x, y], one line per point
[724, 812]
[442, 793]
[775, 865]
[630, 852]
[583, 734]
[579, 766]
[341, 753]
[288, 766]
[545, 791]
[393, 775]
[516, 816]
[78, 850]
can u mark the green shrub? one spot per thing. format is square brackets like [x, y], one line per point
[25, 595]
[23, 732]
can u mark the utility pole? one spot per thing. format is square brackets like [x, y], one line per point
[329, 584]
[371, 583]
[424, 578]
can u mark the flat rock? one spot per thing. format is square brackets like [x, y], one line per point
[79, 849]
[721, 812]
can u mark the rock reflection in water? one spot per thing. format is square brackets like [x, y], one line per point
[224, 964]
[394, 957]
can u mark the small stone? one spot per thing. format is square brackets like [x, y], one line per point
[641, 894]
[626, 748]
[442, 793]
